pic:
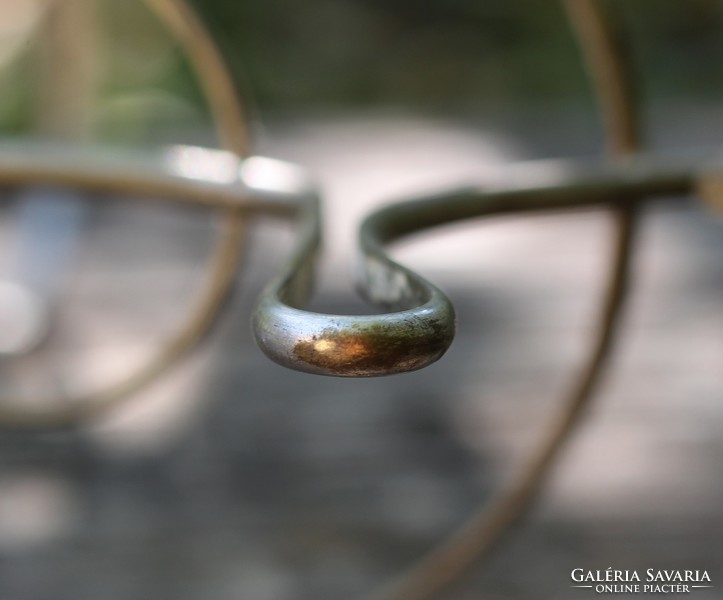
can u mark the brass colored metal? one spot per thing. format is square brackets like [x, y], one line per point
[141, 175]
[352, 346]
[233, 131]
[231, 120]
[420, 323]
[710, 189]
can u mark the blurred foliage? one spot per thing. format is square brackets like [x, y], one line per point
[433, 54]
[445, 56]
[450, 54]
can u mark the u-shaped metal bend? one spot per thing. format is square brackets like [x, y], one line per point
[420, 323]
[416, 332]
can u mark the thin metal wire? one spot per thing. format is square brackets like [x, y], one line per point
[233, 132]
[604, 49]
[422, 326]
[628, 183]
[143, 176]
[230, 118]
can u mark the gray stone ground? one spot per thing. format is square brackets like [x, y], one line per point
[235, 479]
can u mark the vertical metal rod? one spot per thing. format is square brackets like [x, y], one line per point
[230, 117]
[67, 70]
[605, 52]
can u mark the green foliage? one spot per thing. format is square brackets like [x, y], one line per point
[461, 56]
[449, 54]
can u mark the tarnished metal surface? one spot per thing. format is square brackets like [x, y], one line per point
[419, 326]
[351, 346]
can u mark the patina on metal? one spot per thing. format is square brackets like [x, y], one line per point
[414, 336]
[419, 326]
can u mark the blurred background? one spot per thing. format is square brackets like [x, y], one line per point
[232, 478]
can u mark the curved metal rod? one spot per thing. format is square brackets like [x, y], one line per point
[423, 325]
[352, 346]
[243, 194]
[604, 50]
[230, 118]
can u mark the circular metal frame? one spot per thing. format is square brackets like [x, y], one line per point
[233, 132]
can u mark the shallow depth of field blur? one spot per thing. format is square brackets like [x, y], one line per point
[232, 478]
